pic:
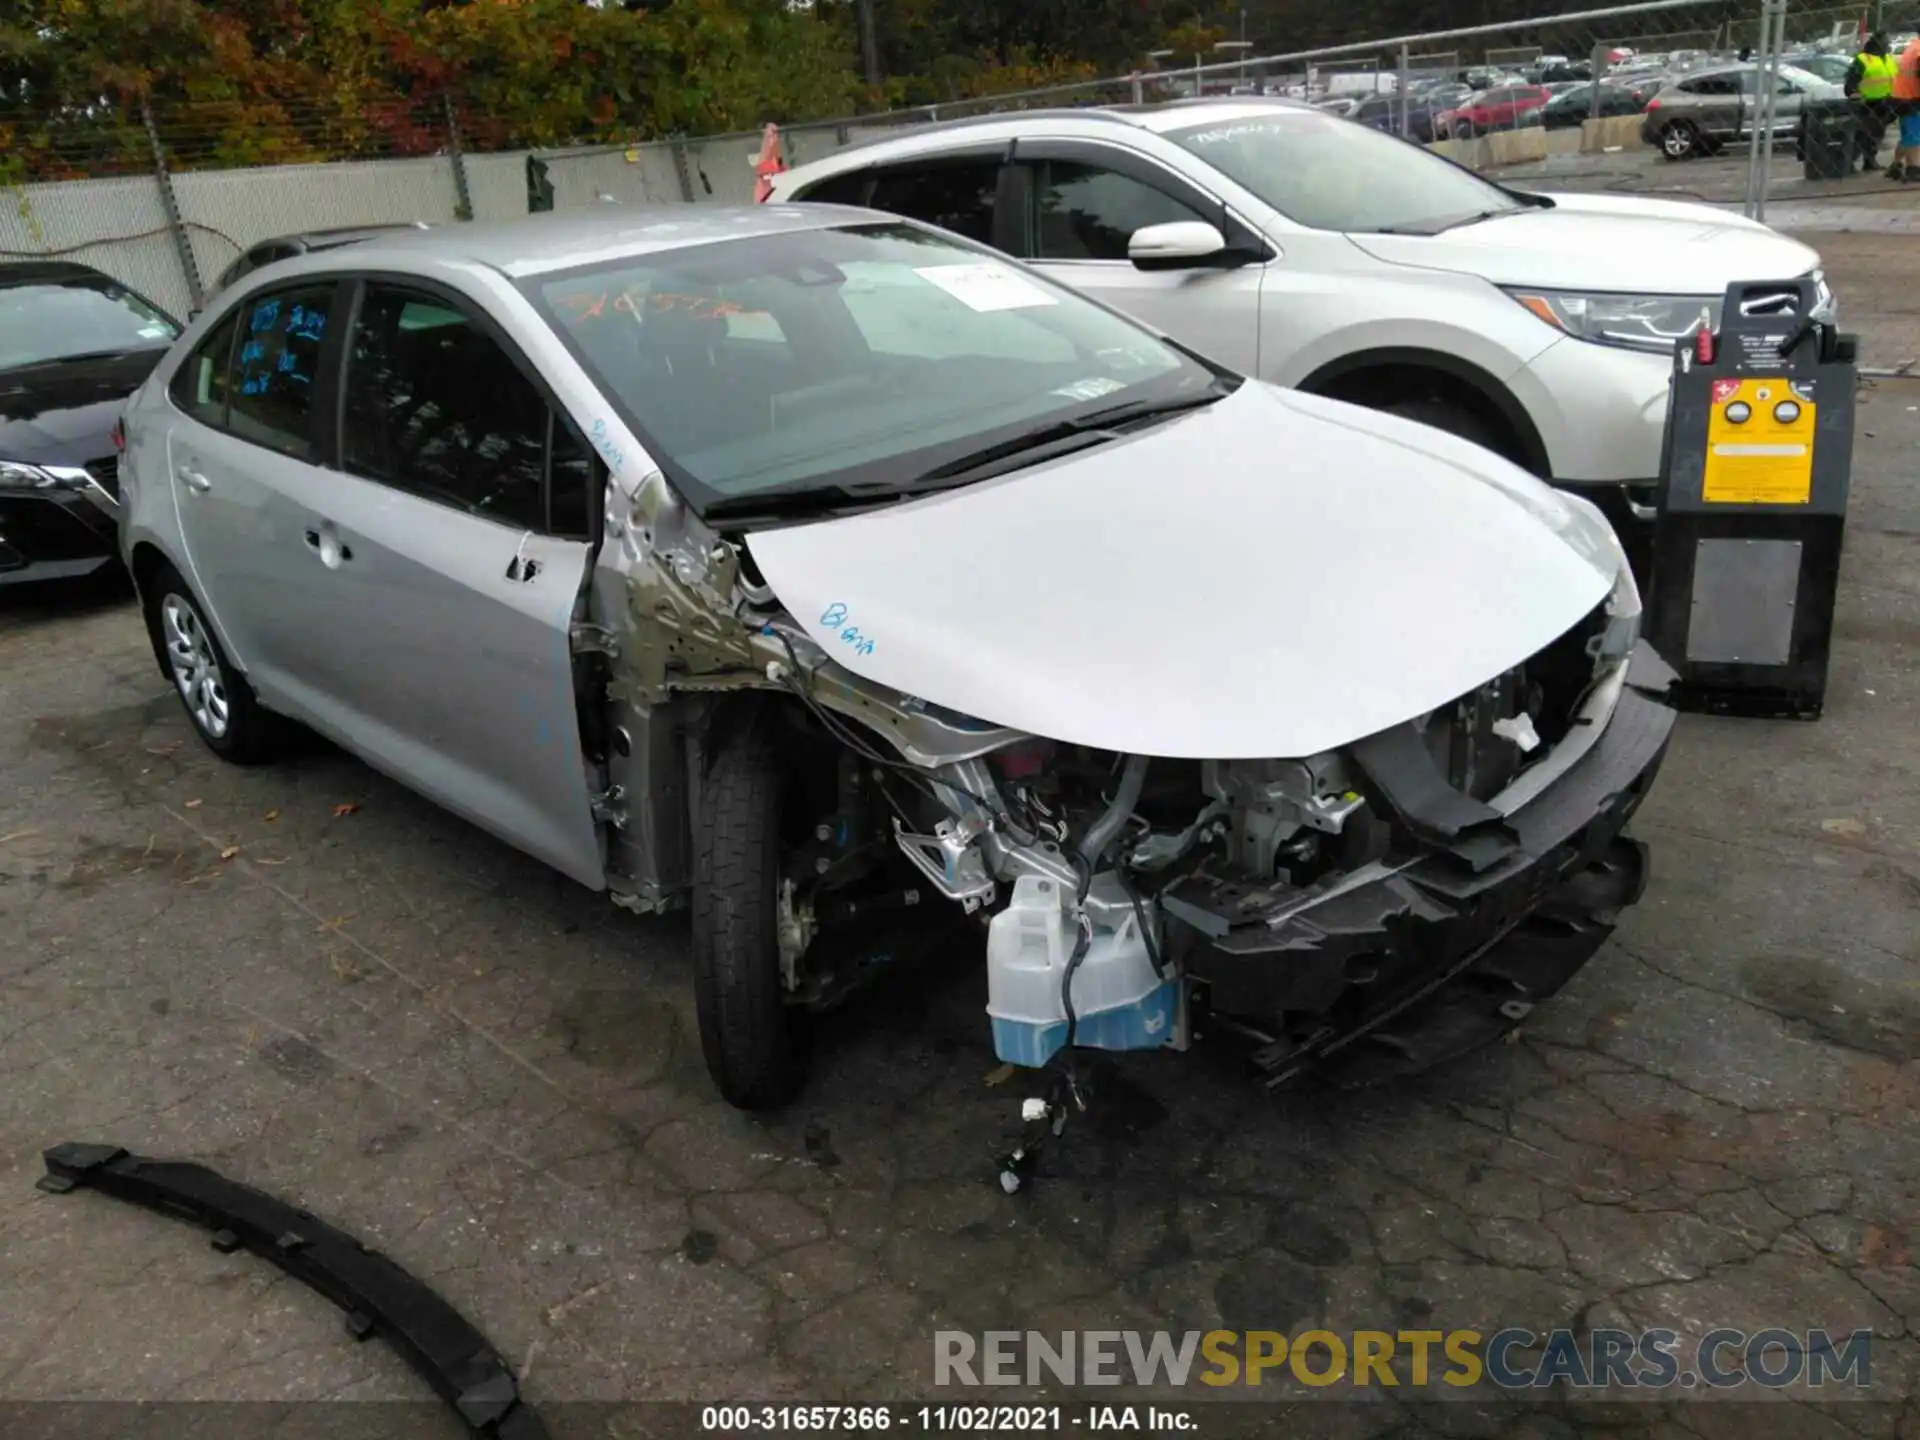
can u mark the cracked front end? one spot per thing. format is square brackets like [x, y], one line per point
[1382, 904]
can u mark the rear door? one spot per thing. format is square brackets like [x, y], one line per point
[242, 449]
[1081, 204]
[440, 569]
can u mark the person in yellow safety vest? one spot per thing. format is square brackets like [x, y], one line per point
[1869, 84]
[1906, 103]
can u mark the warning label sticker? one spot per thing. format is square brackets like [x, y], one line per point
[1760, 443]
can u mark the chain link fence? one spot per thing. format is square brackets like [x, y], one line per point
[1700, 98]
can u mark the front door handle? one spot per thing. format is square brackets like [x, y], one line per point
[195, 481]
[325, 542]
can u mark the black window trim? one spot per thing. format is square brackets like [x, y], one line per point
[184, 368]
[1241, 237]
[356, 282]
[318, 440]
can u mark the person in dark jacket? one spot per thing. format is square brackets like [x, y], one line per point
[1869, 84]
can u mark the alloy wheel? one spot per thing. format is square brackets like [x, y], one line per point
[196, 669]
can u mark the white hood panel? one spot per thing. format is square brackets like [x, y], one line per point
[1609, 243]
[1272, 576]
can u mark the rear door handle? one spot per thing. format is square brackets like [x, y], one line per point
[194, 480]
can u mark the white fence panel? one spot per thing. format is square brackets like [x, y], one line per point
[116, 225]
[228, 210]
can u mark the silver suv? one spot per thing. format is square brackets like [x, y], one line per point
[1704, 110]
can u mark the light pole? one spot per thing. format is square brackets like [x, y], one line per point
[1242, 46]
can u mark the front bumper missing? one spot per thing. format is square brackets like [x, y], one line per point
[378, 1296]
[1407, 964]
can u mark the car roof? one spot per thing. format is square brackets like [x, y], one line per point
[1156, 118]
[339, 234]
[558, 240]
[35, 272]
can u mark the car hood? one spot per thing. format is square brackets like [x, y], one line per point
[1606, 242]
[1272, 576]
[62, 414]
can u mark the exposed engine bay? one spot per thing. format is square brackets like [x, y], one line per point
[1127, 899]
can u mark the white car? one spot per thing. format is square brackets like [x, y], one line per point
[1319, 254]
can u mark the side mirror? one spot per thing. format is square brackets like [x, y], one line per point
[1178, 245]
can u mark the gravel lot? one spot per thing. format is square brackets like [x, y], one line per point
[389, 1017]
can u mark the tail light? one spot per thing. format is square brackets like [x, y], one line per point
[1653, 104]
[119, 436]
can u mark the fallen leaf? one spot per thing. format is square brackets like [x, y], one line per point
[346, 807]
[345, 971]
[271, 815]
[195, 804]
[1000, 1074]
[229, 852]
[1843, 827]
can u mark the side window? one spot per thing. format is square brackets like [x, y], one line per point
[274, 368]
[848, 189]
[1087, 213]
[201, 385]
[956, 196]
[435, 407]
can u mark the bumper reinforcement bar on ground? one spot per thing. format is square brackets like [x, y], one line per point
[379, 1297]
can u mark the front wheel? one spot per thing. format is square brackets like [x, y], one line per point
[746, 1027]
[1445, 415]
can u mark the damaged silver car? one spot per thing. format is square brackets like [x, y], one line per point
[837, 578]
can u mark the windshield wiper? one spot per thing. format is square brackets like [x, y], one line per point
[85, 355]
[1029, 447]
[1058, 437]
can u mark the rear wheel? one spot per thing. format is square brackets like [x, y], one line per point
[746, 1026]
[1680, 141]
[219, 703]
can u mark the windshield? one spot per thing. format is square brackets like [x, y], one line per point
[42, 321]
[1327, 174]
[867, 355]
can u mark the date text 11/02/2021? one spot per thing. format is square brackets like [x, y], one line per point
[920, 1419]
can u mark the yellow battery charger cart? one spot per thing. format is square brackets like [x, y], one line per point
[1751, 516]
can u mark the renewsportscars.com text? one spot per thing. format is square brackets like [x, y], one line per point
[1512, 1359]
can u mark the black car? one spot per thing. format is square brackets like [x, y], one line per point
[1570, 107]
[285, 247]
[74, 343]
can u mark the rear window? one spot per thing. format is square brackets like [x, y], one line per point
[47, 321]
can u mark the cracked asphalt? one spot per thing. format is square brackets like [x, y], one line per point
[386, 1016]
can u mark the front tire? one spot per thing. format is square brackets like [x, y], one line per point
[1445, 415]
[220, 705]
[746, 1028]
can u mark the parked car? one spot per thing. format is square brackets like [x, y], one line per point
[1571, 107]
[1323, 255]
[1341, 105]
[1827, 66]
[1702, 111]
[693, 552]
[1383, 112]
[1506, 107]
[285, 247]
[74, 343]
